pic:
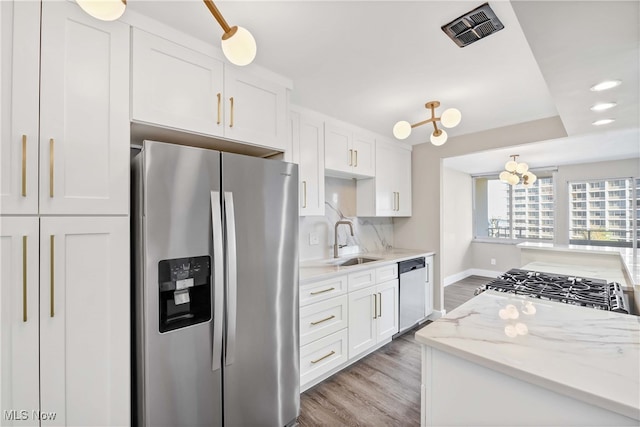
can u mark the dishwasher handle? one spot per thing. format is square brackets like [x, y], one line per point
[411, 264]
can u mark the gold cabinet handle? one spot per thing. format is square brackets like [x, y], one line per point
[356, 161]
[219, 101]
[24, 166]
[324, 357]
[375, 306]
[52, 284]
[24, 278]
[398, 201]
[322, 291]
[380, 304]
[317, 322]
[231, 121]
[51, 143]
[350, 157]
[304, 193]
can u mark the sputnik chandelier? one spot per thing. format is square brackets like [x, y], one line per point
[238, 45]
[514, 172]
[450, 118]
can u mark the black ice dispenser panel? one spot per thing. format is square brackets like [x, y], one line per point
[184, 285]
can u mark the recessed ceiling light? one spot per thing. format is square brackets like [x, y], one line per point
[603, 106]
[603, 122]
[607, 84]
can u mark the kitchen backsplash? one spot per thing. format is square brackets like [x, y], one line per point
[370, 234]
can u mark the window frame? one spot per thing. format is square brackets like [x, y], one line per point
[513, 239]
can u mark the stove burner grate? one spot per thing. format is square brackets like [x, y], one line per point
[581, 291]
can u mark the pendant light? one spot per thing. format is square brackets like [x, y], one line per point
[514, 172]
[450, 118]
[104, 10]
[238, 45]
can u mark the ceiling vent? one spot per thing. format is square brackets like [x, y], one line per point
[473, 26]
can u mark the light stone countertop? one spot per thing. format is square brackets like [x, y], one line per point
[629, 260]
[314, 270]
[587, 354]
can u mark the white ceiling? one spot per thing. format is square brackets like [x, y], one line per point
[373, 63]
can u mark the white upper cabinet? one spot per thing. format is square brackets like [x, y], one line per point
[347, 153]
[19, 73]
[176, 87]
[256, 109]
[389, 193]
[183, 89]
[84, 113]
[308, 139]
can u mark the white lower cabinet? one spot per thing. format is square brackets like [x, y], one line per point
[322, 356]
[77, 273]
[19, 246]
[323, 318]
[373, 316]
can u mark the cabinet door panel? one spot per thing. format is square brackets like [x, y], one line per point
[385, 197]
[311, 166]
[84, 113]
[19, 85]
[403, 182]
[364, 155]
[387, 309]
[19, 320]
[176, 87]
[84, 320]
[337, 143]
[259, 110]
[362, 331]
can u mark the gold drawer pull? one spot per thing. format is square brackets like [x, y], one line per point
[231, 121]
[219, 99]
[24, 165]
[304, 186]
[24, 278]
[52, 284]
[323, 320]
[356, 162]
[322, 291]
[51, 164]
[350, 157]
[324, 357]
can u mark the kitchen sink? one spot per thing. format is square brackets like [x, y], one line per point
[356, 261]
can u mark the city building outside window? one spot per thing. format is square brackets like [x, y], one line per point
[602, 213]
[502, 211]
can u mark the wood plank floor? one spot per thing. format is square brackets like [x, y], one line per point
[383, 388]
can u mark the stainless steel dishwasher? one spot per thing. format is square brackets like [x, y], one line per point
[413, 277]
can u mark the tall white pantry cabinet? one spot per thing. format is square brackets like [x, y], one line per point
[64, 226]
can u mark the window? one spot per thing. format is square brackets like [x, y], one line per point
[609, 215]
[502, 211]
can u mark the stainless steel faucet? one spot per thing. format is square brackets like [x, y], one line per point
[335, 235]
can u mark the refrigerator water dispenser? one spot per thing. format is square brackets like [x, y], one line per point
[184, 286]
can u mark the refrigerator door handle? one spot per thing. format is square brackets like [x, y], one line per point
[232, 278]
[218, 280]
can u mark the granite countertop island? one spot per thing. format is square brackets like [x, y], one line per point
[589, 356]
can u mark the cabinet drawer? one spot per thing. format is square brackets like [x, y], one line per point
[322, 356]
[361, 279]
[322, 290]
[323, 318]
[388, 272]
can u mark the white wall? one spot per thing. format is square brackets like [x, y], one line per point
[457, 221]
[422, 229]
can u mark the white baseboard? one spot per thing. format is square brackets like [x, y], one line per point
[470, 272]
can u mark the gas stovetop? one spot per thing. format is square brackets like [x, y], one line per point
[582, 291]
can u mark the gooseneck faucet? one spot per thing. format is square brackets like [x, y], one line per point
[335, 235]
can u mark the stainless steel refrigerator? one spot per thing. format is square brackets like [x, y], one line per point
[216, 288]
